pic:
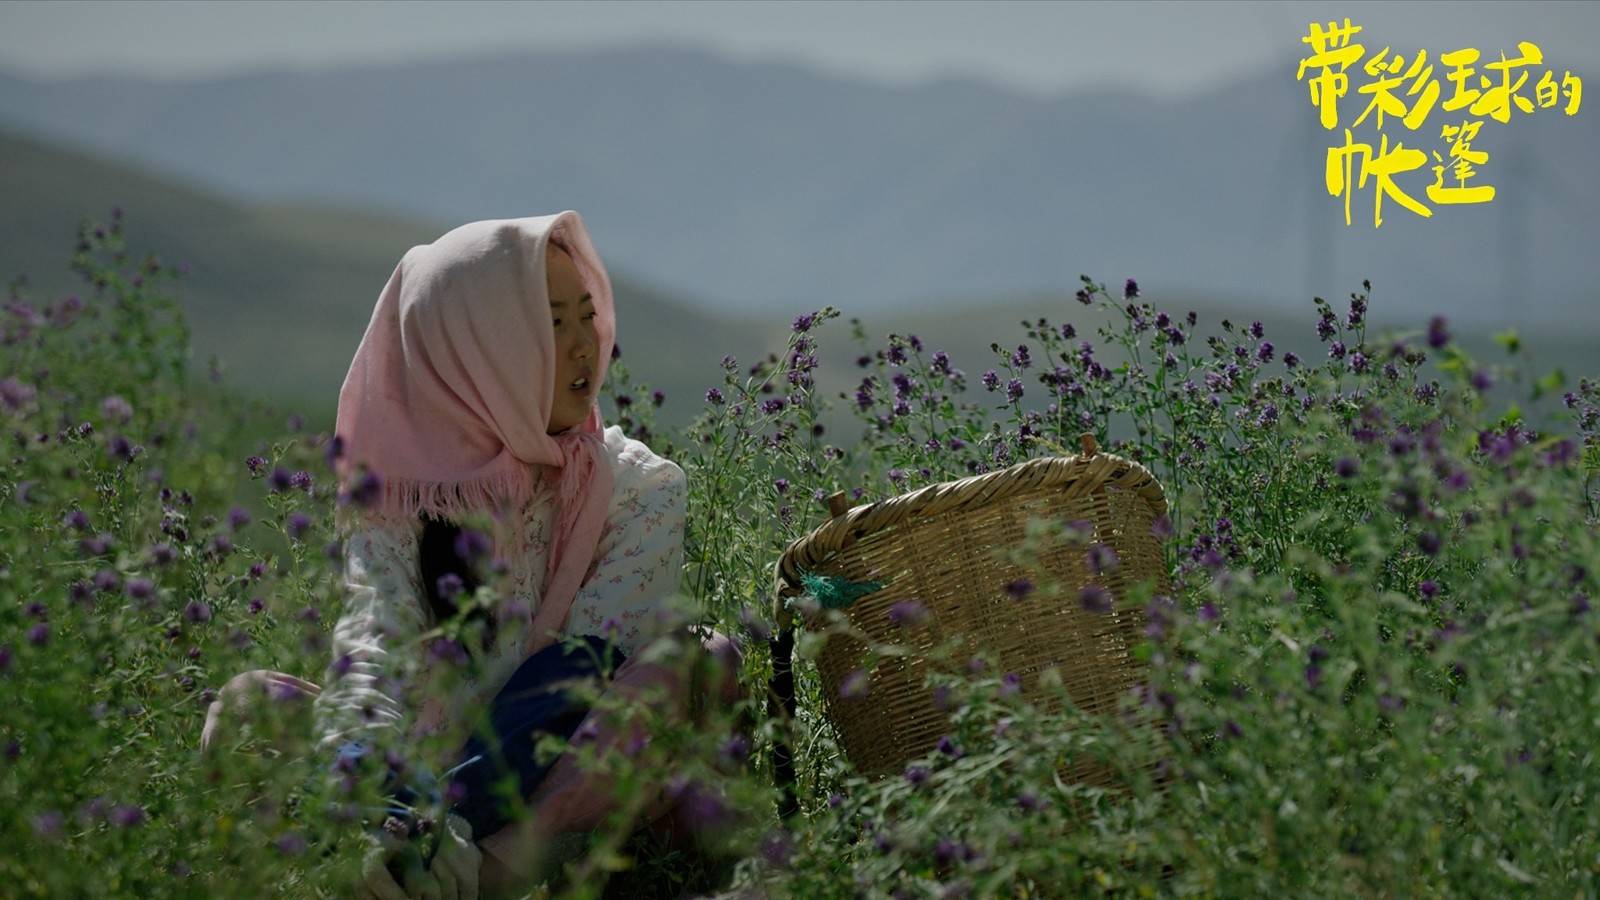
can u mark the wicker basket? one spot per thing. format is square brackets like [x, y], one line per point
[941, 545]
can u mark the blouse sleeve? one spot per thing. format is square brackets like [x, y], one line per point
[382, 610]
[639, 560]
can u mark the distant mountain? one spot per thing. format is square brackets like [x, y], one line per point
[282, 294]
[747, 187]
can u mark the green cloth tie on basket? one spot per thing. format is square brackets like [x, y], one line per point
[836, 592]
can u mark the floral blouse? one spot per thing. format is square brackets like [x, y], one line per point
[638, 562]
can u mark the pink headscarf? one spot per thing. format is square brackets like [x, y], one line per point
[448, 397]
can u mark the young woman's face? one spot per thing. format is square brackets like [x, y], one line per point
[572, 320]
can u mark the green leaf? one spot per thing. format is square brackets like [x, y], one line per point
[1454, 361]
[1549, 383]
[1509, 340]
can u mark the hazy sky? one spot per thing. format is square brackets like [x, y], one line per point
[1167, 49]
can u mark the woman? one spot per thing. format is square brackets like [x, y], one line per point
[473, 390]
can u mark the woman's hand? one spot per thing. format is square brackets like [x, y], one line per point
[241, 694]
[376, 882]
[393, 870]
[457, 862]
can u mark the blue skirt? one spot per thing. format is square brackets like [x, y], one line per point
[526, 709]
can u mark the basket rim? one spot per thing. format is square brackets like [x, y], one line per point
[845, 528]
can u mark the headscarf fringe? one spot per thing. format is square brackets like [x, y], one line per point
[404, 500]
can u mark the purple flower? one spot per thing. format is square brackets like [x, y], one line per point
[916, 776]
[1130, 289]
[1429, 588]
[93, 810]
[197, 611]
[77, 519]
[1014, 389]
[777, 848]
[991, 380]
[804, 323]
[449, 585]
[114, 407]
[781, 485]
[949, 747]
[471, 545]
[39, 634]
[1437, 335]
[1346, 467]
[15, 394]
[365, 492]
[1313, 676]
[1561, 453]
[1101, 558]
[854, 685]
[99, 545]
[772, 406]
[657, 397]
[291, 844]
[256, 464]
[1481, 380]
[714, 396]
[1429, 543]
[140, 588]
[1264, 352]
[1019, 589]
[107, 580]
[47, 824]
[908, 614]
[301, 480]
[1291, 359]
[161, 554]
[1208, 612]
[127, 816]
[1095, 599]
[1011, 684]
[448, 650]
[298, 523]
[238, 517]
[333, 453]
[256, 605]
[280, 479]
[735, 749]
[1336, 350]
